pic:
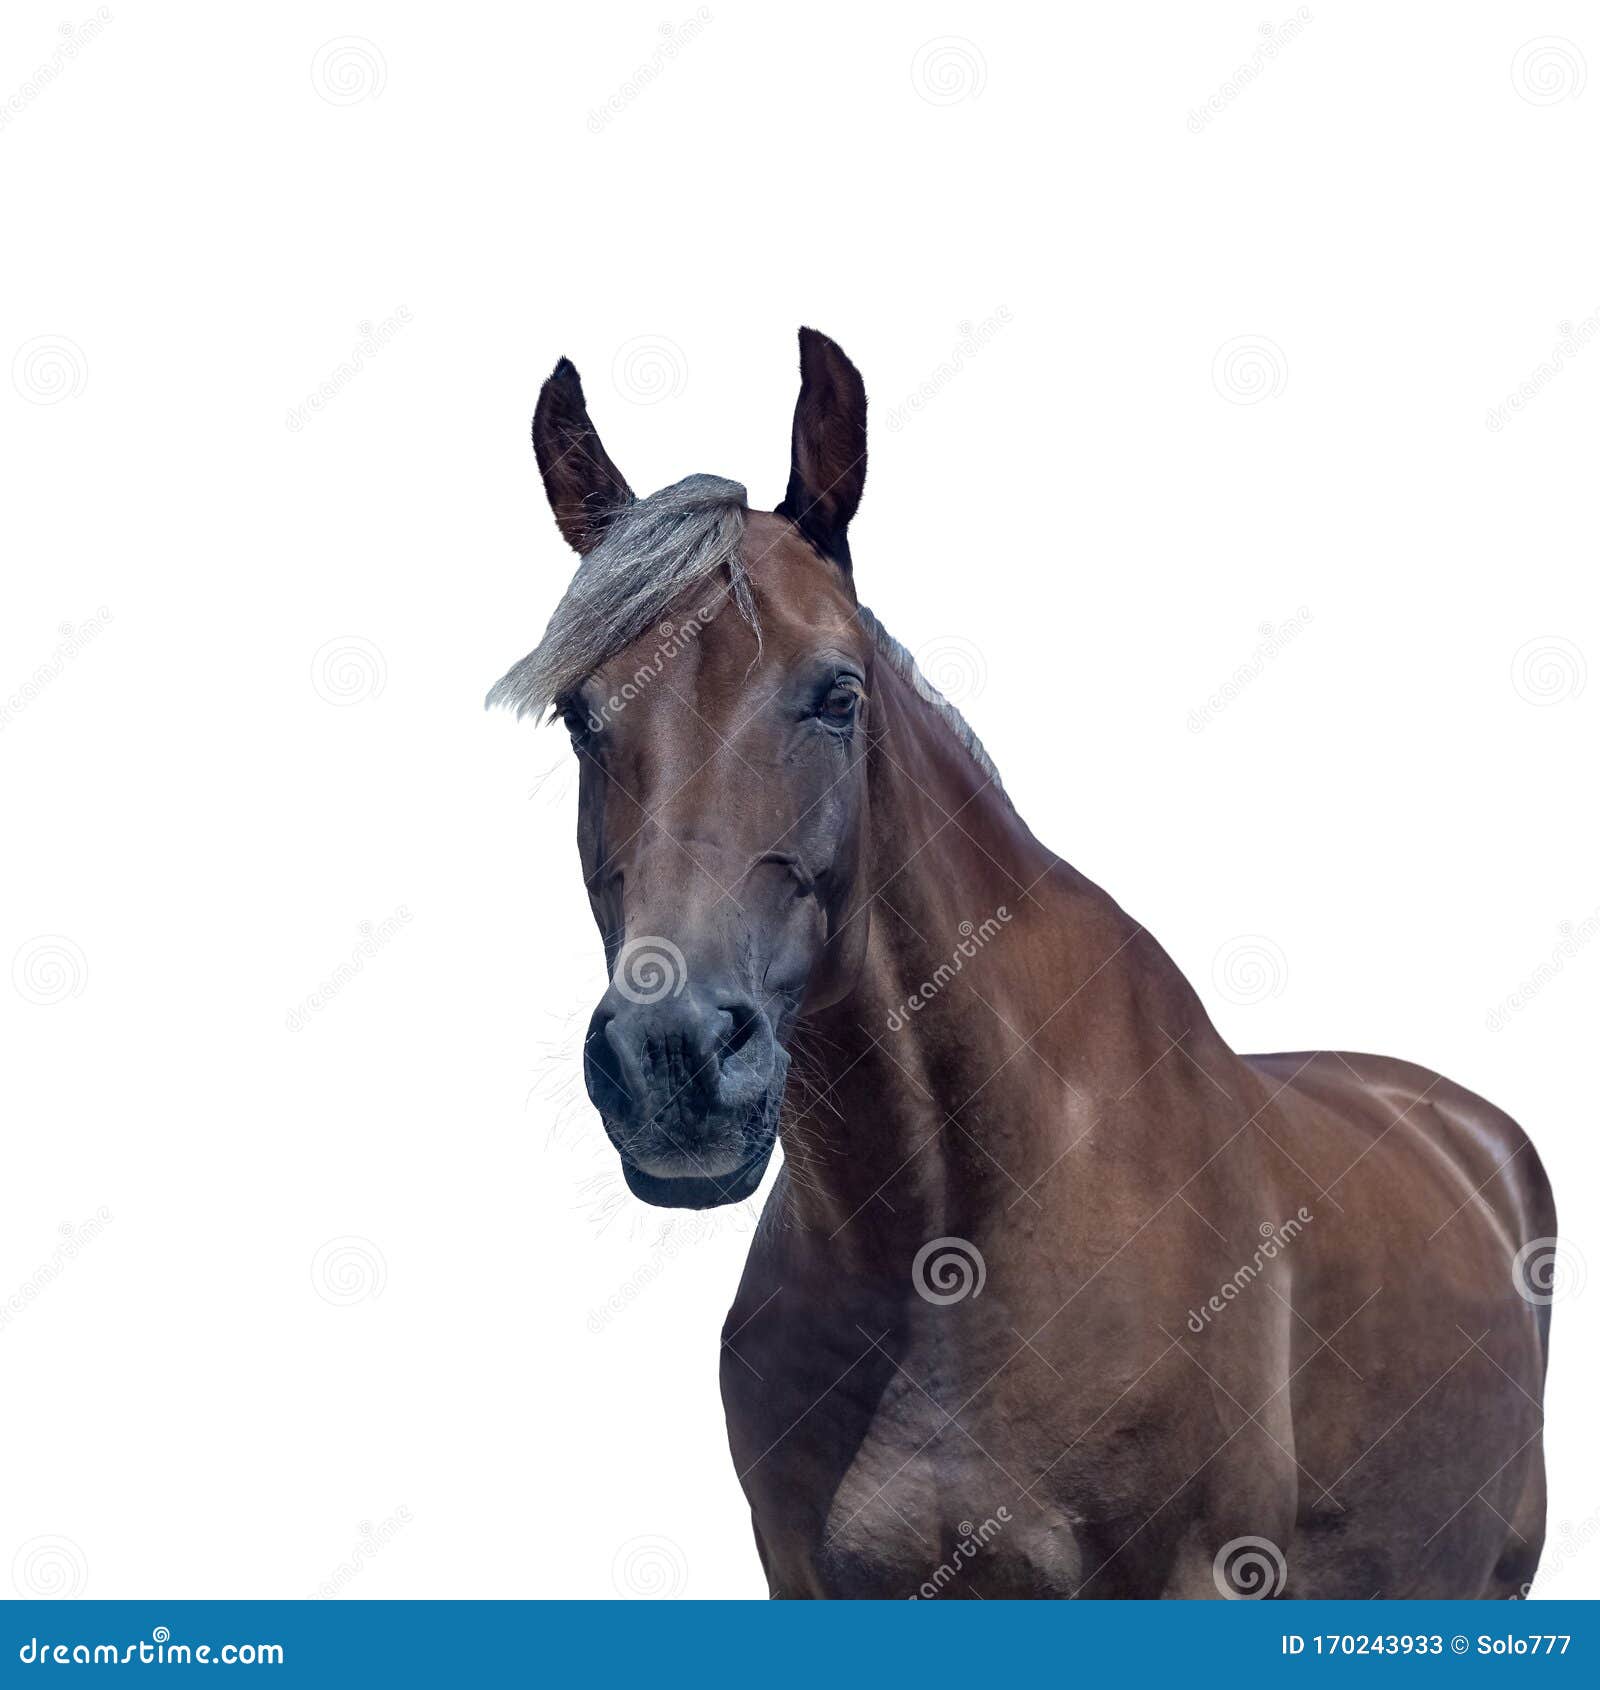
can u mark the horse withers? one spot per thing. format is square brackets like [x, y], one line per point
[1054, 1294]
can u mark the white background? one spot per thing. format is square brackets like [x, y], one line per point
[277, 733]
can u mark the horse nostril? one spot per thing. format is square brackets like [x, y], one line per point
[675, 1067]
[609, 1068]
[745, 1018]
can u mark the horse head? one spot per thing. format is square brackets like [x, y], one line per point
[715, 674]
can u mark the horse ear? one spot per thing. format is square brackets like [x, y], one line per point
[584, 487]
[828, 457]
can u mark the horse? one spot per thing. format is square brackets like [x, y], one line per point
[1053, 1295]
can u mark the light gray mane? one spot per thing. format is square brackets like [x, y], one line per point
[654, 550]
[903, 663]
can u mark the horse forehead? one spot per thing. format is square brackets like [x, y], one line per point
[798, 591]
[803, 606]
[696, 670]
[803, 603]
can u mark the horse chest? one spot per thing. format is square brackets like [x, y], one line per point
[924, 1510]
[904, 1479]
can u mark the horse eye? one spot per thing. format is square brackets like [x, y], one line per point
[576, 723]
[840, 704]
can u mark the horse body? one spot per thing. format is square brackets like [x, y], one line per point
[1366, 1402]
[1055, 1295]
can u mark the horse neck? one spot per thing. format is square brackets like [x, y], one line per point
[1002, 993]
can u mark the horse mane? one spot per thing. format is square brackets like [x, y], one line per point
[653, 551]
[905, 665]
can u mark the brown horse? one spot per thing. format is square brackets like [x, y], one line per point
[1054, 1294]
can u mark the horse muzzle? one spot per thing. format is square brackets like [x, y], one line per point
[688, 1086]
